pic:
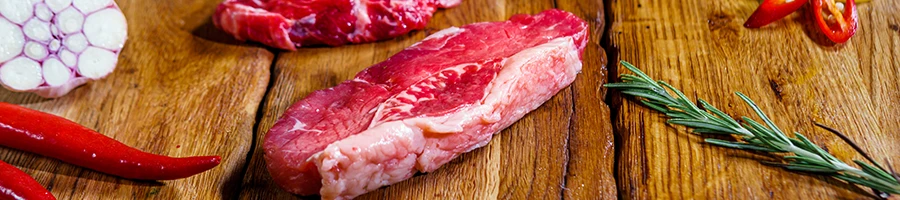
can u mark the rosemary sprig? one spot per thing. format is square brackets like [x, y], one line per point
[702, 117]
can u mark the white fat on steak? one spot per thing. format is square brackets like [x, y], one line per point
[393, 151]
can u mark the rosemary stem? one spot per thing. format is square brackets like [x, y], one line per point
[839, 166]
[805, 153]
[744, 132]
[848, 169]
[703, 117]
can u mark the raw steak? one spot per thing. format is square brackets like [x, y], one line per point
[433, 101]
[288, 24]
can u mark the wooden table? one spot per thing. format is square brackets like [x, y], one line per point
[184, 88]
[789, 68]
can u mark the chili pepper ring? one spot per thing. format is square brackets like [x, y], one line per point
[56, 137]
[836, 24]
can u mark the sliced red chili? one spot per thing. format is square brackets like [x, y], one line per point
[837, 26]
[57, 137]
[15, 184]
[772, 10]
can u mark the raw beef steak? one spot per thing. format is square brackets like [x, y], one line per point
[433, 101]
[288, 24]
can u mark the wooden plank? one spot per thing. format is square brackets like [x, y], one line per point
[591, 143]
[790, 69]
[537, 146]
[173, 93]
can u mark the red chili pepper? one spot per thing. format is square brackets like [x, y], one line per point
[57, 137]
[772, 10]
[838, 26]
[15, 184]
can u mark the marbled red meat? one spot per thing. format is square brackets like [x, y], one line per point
[288, 24]
[424, 106]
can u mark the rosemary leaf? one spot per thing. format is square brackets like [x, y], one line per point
[812, 161]
[678, 115]
[709, 131]
[637, 71]
[629, 85]
[875, 171]
[815, 149]
[631, 79]
[780, 135]
[736, 145]
[645, 94]
[764, 135]
[655, 106]
[689, 107]
[719, 113]
[693, 123]
[809, 168]
[868, 183]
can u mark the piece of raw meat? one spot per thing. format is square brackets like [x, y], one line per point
[287, 24]
[49, 47]
[429, 103]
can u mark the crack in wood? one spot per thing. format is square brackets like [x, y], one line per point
[568, 154]
[260, 113]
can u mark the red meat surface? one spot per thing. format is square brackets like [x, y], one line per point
[288, 24]
[424, 106]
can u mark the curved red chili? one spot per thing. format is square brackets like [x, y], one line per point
[772, 10]
[57, 137]
[15, 184]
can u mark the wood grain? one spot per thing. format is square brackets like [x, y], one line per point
[173, 93]
[184, 88]
[533, 159]
[591, 143]
[790, 69]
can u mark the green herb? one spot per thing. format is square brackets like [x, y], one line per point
[799, 153]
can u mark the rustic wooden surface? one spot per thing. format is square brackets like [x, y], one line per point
[183, 88]
[562, 150]
[790, 69]
[172, 93]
